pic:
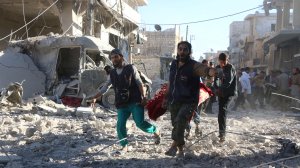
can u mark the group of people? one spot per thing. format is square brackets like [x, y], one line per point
[256, 87]
[181, 98]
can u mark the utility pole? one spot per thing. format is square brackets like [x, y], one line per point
[192, 37]
[187, 30]
[90, 18]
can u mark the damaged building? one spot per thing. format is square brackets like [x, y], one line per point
[282, 48]
[246, 40]
[60, 47]
[158, 51]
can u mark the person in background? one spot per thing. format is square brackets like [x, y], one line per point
[270, 86]
[282, 87]
[240, 100]
[258, 92]
[226, 85]
[246, 86]
[199, 110]
[295, 83]
[209, 83]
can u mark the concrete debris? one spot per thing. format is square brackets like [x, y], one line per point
[36, 100]
[46, 134]
[30, 132]
[16, 67]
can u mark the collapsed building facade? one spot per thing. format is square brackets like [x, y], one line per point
[65, 44]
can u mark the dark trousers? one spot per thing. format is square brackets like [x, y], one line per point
[180, 115]
[258, 94]
[222, 116]
[240, 100]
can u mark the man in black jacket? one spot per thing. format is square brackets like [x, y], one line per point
[130, 98]
[226, 86]
[183, 93]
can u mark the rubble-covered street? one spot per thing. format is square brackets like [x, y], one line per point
[46, 134]
[73, 71]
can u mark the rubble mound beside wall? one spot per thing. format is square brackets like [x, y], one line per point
[16, 67]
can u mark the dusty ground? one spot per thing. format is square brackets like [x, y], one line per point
[51, 135]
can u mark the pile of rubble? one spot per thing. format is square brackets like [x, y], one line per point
[41, 133]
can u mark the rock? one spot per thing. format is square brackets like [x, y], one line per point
[214, 137]
[108, 125]
[28, 118]
[17, 119]
[92, 118]
[8, 121]
[86, 127]
[245, 119]
[99, 124]
[47, 108]
[14, 132]
[88, 150]
[231, 143]
[130, 148]
[84, 112]
[36, 100]
[159, 150]
[30, 132]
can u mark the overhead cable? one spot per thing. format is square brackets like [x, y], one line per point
[29, 21]
[206, 20]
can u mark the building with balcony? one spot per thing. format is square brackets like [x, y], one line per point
[283, 46]
[246, 40]
[239, 30]
[113, 21]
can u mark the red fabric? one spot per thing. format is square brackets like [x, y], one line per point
[204, 94]
[71, 101]
[154, 106]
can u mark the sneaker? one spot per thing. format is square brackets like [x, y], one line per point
[157, 139]
[222, 139]
[171, 152]
[180, 154]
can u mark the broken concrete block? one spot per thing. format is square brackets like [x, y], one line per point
[27, 70]
[36, 100]
[14, 132]
[109, 125]
[30, 131]
[8, 121]
[41, 125]
[99, 124]
[92, 118]
[231, 143]
[47, 108]
[28, 118]
[84, 112]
